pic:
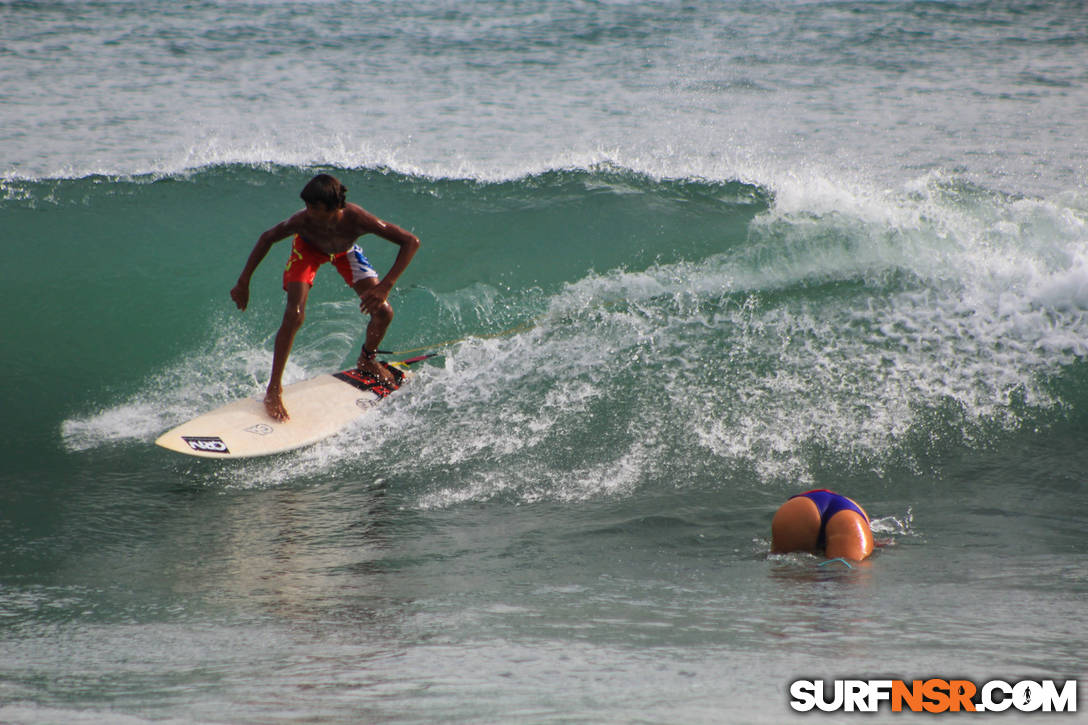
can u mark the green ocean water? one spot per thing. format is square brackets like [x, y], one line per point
[681, 260]
[170, 244]
[566, 515]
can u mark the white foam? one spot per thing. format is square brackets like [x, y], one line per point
[230, 368]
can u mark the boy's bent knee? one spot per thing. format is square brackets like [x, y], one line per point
[384, 313]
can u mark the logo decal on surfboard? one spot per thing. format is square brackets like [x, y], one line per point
[365, 381]
[206, 444]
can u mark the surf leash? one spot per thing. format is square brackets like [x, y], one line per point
[523, 327]
[412, 360]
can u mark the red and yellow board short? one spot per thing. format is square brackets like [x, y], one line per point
[304, 260]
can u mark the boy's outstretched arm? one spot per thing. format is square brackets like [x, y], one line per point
[240, 292]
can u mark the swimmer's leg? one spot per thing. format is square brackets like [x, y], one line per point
[848, 536]
[796, 526]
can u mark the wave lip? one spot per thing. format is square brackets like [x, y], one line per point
[652, 329]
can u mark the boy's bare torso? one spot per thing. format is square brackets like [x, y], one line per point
[333, 232]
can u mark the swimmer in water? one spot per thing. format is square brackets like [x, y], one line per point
[822, 522]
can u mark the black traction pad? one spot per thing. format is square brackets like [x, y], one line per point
[366, 381]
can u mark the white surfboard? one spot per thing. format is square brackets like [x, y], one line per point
[318, 407]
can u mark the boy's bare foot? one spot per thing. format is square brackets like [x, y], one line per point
[273, 403]
[371, 365]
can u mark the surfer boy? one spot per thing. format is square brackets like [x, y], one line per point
[822, 521]
[326, 231]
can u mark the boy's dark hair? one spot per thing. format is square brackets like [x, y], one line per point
[327, 190]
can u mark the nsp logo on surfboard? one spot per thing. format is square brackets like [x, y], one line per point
[206, 444]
